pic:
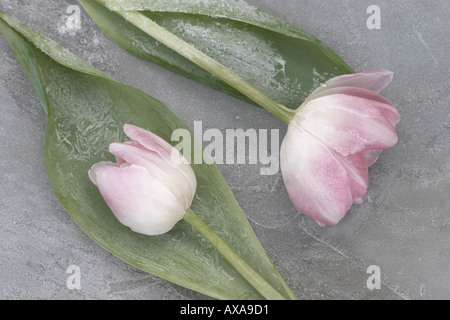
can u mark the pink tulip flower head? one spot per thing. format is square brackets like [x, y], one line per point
[335, 135]
[150, 186]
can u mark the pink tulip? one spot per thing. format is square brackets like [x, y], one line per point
[335, 135]
[148, 188]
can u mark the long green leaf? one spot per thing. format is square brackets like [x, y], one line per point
[278, 58]
[86, 111]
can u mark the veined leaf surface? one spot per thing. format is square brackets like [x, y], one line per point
[278, 58]
[86, 112]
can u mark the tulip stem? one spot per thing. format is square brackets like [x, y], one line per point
[205, 62]
[244, 269]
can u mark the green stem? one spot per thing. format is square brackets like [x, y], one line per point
[244, 269]
[207, 63]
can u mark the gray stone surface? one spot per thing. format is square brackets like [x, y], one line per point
[403, 226]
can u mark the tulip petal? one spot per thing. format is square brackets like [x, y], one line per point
[373, 80]
[174, 179]
[138, 200]
[119, 160]
[357, 173]
[336, 134]
[155, 143]
[149, 140]
[347, 124]
[372, 156]
[375, 99]
[316, 181]
[93, 171]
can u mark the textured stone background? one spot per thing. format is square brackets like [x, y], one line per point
[402, 226]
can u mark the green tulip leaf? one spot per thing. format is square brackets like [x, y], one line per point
[86, 111]
[276, 57]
